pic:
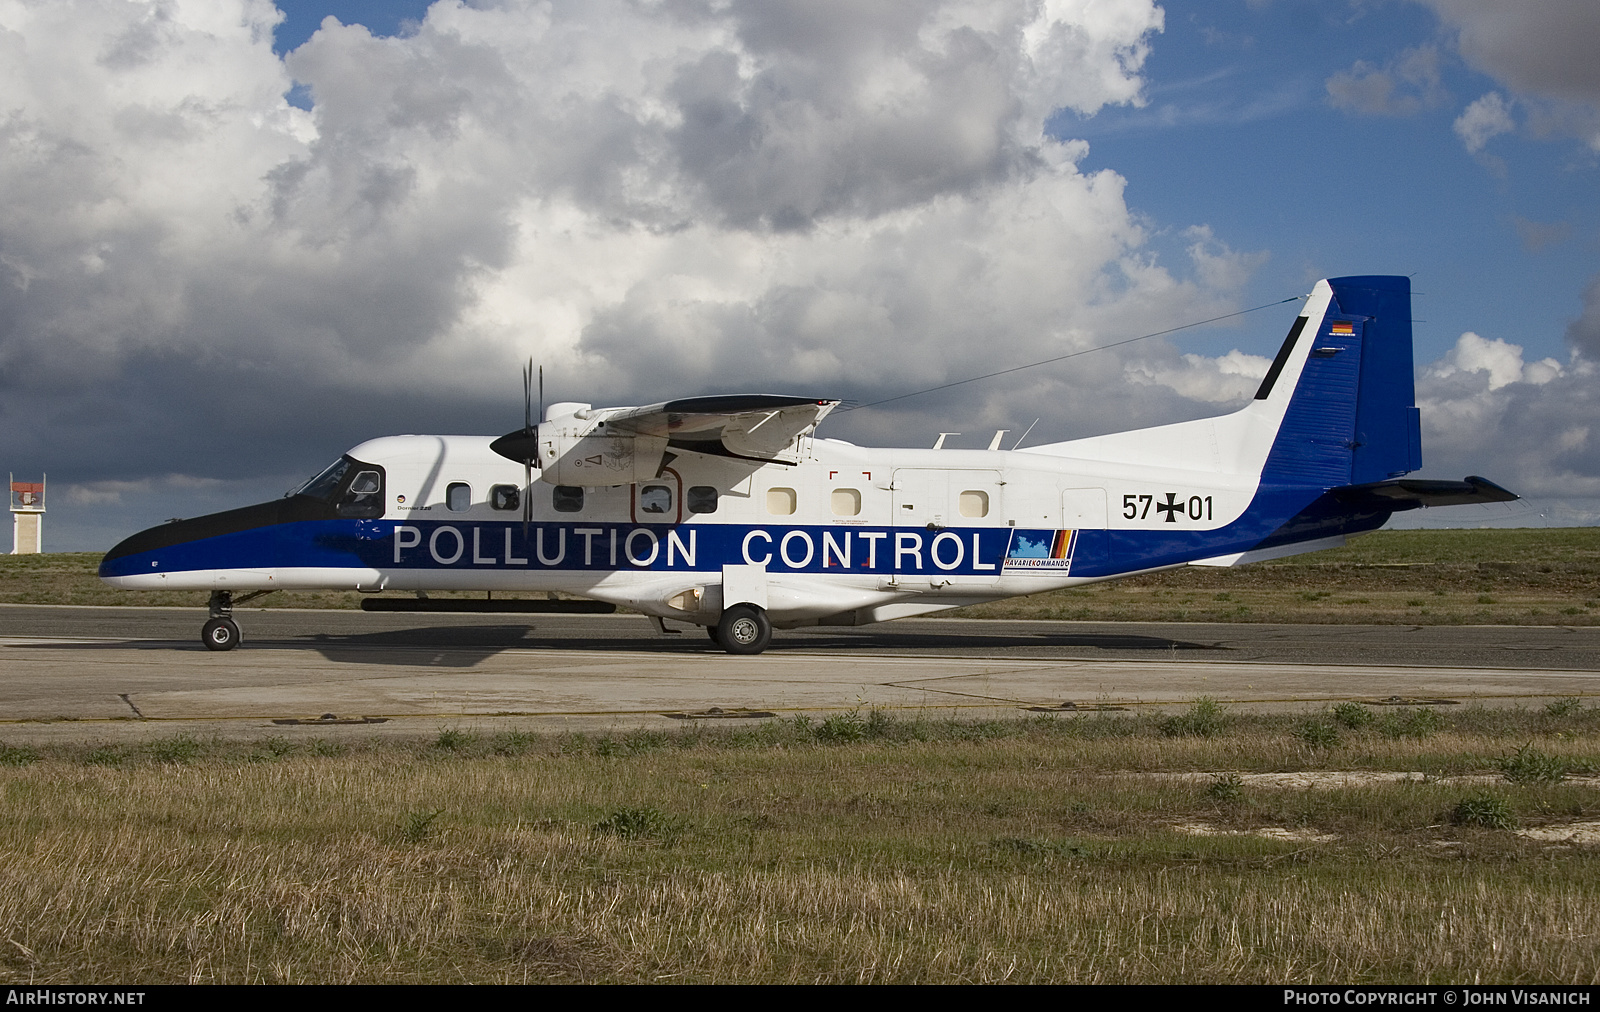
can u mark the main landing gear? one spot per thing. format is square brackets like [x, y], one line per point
[222, 632]
[743, 629]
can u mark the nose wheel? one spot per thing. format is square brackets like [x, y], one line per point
[220, 634]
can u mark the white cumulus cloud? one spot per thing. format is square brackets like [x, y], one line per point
[1486, 118]
[1229, 379]
[654, 200]
[1524, 424]
[1501, 360]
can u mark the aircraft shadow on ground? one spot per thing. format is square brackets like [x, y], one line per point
[468, 646]
[459, 646]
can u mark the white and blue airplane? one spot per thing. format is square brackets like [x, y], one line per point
[731, 513]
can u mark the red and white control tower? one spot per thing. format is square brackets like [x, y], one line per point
[27, 516]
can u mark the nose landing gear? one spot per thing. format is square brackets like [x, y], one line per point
[222, 632]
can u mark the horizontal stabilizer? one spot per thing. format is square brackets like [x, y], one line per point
[1411, 493]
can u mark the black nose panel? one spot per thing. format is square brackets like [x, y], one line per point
[279, 511]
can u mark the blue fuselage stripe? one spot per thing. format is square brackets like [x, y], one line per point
[1278, 515]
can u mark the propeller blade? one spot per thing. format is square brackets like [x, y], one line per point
[522, 445]
[527, 396]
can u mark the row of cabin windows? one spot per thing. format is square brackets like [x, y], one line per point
[846, 502]
[654, 500]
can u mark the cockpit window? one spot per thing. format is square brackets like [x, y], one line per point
[363, 497]
[352, 488]
[326, 484]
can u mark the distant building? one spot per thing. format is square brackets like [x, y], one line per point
[27, 517]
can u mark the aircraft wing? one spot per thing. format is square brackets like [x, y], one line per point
[738, 425]
[1410, 493]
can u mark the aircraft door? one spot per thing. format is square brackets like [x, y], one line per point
[1033, 499]
[921, 497]
[938, 499]
[1084, 510]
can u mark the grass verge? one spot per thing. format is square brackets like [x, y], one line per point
[1108, 847]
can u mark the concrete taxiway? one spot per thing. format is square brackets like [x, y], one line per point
[74, 673]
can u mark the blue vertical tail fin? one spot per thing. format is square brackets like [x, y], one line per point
[1352, 417]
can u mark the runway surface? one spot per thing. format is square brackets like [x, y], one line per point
[141, 672]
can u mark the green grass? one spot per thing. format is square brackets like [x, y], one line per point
[1547, 576]
[1226, 787]
[1057, 849]
[1318, 732]
[1527, 764]
[1205, 718]
[1487, 810]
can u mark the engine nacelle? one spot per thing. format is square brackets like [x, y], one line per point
[577, 451]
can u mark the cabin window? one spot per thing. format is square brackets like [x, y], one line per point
[974, 503]
[655, 501]
[567, 498]
[458, 497]
[702, 499]
[781, 501]
[846, 502]
[505, 497]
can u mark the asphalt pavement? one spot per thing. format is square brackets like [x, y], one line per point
[72, 672]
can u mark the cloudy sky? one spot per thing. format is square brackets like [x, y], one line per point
[237, 238]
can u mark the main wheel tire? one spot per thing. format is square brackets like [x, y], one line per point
[744, 629]
[220, 634]
[711, 631]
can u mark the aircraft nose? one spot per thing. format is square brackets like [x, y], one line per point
[150, 551]
[192, 544]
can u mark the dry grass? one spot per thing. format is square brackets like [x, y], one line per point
[881, 850]
[1435, 577]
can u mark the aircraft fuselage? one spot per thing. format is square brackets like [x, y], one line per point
[843, 533]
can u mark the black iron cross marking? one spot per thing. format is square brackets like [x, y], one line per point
[1171, 507]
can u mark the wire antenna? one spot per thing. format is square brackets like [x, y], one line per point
[1063, 358]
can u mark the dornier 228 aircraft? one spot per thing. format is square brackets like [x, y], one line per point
[730, 513]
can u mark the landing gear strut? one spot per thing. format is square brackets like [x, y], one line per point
[222, 632]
